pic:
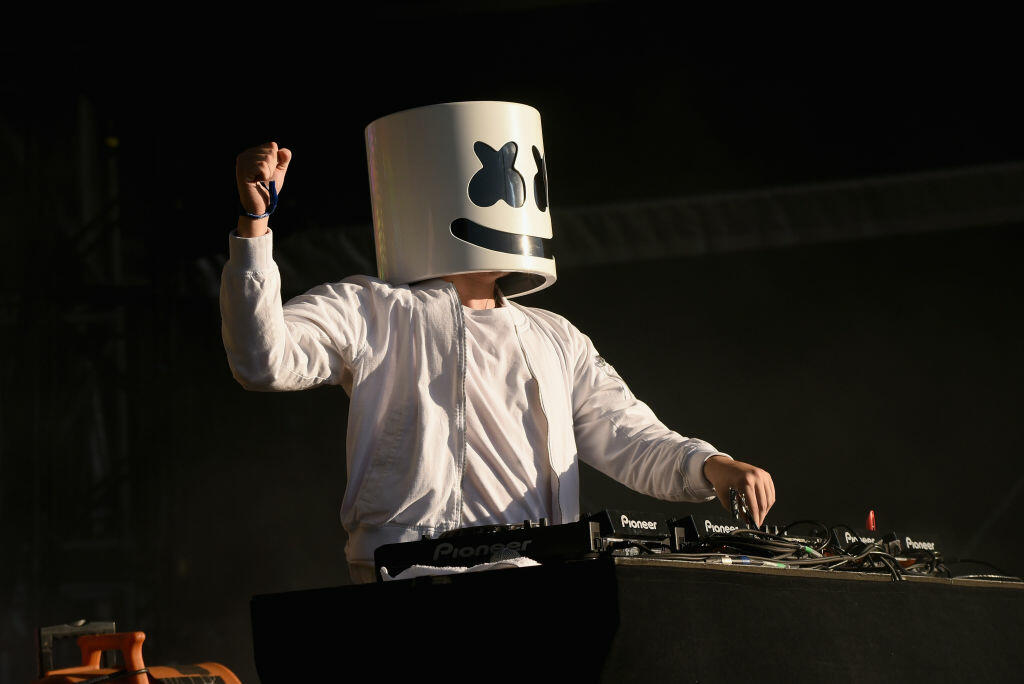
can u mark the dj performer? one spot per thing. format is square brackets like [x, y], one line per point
[467, 408]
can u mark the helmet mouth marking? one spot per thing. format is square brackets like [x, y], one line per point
[499, 240]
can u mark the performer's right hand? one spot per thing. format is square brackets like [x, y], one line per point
[263, 163]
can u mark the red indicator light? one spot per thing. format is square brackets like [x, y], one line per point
[871, 521]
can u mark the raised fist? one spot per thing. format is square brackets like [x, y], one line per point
[254, 169]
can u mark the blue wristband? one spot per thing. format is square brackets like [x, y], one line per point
[270, 209]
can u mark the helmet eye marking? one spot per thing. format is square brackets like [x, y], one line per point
[540, 181]
[498, 179]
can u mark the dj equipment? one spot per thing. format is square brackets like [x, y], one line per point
[483, 544]
[700, 538]
[620, 532]
[624, 596]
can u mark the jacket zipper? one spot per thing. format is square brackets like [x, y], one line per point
[460, 410]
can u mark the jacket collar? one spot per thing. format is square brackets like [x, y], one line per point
[518, 317]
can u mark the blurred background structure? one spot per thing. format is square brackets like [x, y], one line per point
[803, 248]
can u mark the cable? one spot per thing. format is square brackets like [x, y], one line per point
[1004, 578]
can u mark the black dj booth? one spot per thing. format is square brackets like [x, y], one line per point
[645, 619]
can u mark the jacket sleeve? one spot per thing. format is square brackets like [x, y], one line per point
[313, 339]
[620, 435]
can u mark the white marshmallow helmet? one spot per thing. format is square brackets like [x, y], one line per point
[461, 187]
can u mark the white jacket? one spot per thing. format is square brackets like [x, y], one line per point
[399, 352]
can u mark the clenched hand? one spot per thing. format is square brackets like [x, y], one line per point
[253, 168]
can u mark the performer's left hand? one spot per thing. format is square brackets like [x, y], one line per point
[756, 483]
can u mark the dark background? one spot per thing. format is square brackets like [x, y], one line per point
[140, 483]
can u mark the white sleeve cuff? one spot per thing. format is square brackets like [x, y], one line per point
[251, 254]
[692, 465]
